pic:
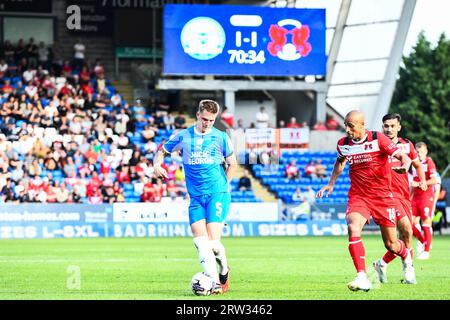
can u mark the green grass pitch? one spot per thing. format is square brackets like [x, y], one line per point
[287, 268]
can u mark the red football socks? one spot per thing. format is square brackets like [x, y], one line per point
[428, 237]
[418, 234]
[356, 249]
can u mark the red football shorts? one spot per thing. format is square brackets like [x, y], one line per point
[382, 210]
[404, 209]
[423, 207]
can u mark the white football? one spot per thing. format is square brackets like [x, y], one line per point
[202, 284]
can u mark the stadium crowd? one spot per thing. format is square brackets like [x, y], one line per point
[67, 136]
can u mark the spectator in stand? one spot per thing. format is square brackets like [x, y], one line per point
[147, 192]
[120, 196]
[22, 65]
[96, 198]
[310, 170]
[292, 171]
[281, 124]
[50, 163]
[135, 157]
[172, 189]
[159, 121]
[302, 211]
[101, 86]
[297, 196]
[19, 51]
[305, 124]
[7, 88]
[162, 109]
[310, 195]
[62, 194]
[149, 132]
[91, 156]
[56, 58]
[262, 118]
[240, 125]
[169, 121]
[95, 182]
[69, 167]
[97, 69]
[321, 170]
[85, 169]
[123, 174]
[34, 169]
[332, 123]
[29, 74]
[245, 184]
[40, 150]
[42, 193]
[293, 123]
[116, 99]
[121, 123]
[180, 179]
[43, 55]
[3, 69]
[79, 50]
[66, 70]
[31, 53]
[159, 190]
[123, 141]
[26, 197]
[71, 180]
[227, 117]
[171, 169]
[319, 126]
[8, 52]
[73, 198]
[18, 172]
[85, 76]
[108, 195]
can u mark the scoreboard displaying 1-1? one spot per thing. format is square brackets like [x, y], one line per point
[243, 40]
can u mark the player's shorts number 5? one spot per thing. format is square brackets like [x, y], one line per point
[219, 209]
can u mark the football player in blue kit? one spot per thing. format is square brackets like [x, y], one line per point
[209, 163]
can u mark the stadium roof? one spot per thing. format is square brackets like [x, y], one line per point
[365, 40]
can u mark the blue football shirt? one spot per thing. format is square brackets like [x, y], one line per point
[202, 155]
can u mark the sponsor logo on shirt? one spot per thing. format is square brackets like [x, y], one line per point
[200, 157]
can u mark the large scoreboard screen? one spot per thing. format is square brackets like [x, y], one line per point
[243, 40]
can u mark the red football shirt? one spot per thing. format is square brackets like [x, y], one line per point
[429, 168]
[370, 172]
[400, 182]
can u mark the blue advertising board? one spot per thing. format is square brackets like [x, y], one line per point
[243, 40]
[44, 230]
[37, 221]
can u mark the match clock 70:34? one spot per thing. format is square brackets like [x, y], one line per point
[250, 56]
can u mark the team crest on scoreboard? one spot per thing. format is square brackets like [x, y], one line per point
[289, 51]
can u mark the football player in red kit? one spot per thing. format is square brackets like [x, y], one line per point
[370, 194]
[423, 203]
[401, 190]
